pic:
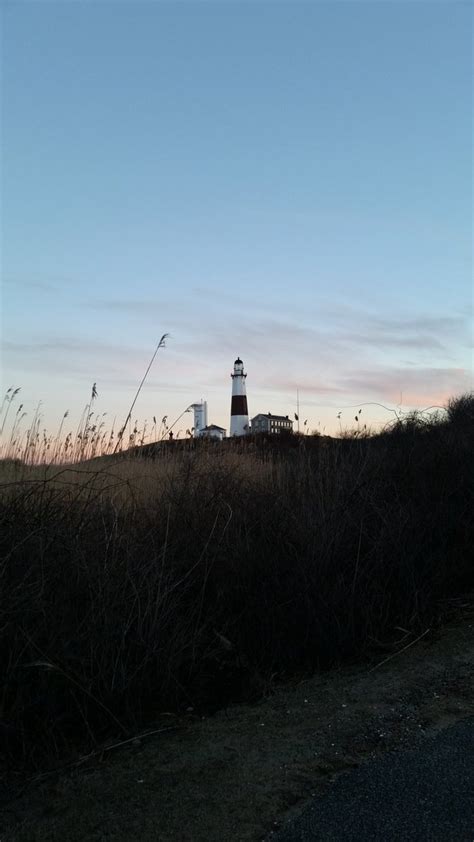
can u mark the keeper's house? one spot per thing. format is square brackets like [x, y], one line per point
[213, 431]
[271, 423]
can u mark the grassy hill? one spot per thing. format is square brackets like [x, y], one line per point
[200, 574]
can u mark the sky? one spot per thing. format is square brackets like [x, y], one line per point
[288, 182]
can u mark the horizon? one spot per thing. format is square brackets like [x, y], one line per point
[288, 183]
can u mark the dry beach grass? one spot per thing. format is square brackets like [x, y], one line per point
[198, 576]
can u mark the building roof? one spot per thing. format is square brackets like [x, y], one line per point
[269, 415]
[213, 427]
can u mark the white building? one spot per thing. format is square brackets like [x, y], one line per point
[213, 431]
[200, 418]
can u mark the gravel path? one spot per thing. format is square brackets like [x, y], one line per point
[426, 793]
[250, 769]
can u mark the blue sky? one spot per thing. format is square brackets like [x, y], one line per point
[287, 182]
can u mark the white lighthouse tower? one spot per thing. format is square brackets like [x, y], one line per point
[239, 414]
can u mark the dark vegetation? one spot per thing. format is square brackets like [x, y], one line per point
[131, 587]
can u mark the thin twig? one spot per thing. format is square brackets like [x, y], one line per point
[161, 344]
[137, 737]
[399, 651]
[98, 753]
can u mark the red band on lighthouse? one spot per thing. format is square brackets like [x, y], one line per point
[239, 405]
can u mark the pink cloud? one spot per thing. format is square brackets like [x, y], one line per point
[417, 386]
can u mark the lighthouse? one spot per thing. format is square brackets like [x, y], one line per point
[239, 414]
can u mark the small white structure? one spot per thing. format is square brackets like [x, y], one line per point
[239, 414]
[213, 431]
[200, 418]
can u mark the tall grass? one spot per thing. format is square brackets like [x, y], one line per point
[195, 577]
[33, 445]
[91, 439]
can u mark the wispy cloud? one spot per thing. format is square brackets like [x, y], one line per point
[114, 365]
[341, 354]
[305, 385]
[32, 285]
[145, 306]
[424, 333]
[417, 386]
[374, 338]
[436, 324]
[87, 348]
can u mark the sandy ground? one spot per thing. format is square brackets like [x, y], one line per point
[238, 774]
